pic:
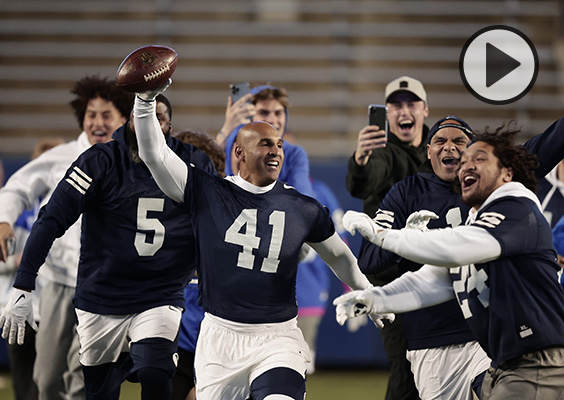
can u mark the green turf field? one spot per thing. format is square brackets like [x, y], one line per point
[323, 385]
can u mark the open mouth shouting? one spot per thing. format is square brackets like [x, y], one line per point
[405, 126]
[450, 161]
[468, 180]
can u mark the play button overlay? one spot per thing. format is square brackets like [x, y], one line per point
[499, 64]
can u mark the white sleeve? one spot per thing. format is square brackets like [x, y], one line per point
[169, 171]
[32, 181]
[428, 286]
[448, 247]
[342, 261]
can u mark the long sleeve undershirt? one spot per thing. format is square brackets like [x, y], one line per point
[171, 174]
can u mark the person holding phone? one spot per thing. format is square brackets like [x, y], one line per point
[502, 263]
[376, 165]
[270, 104]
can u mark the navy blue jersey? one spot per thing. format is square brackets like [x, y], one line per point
[442, 324]
[514, 304]
[552, 199]
[438, 325]
[137, 245]
[249, 246]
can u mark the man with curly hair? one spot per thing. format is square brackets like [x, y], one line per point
[501, 267]
[100, 107]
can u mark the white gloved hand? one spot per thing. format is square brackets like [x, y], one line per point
[378, 318]
[354, 221]
[17, 311]
[353, 304]
[354, 324]
[420, 219]
[151, 95]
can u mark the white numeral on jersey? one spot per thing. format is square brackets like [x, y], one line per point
[470, 279]
[249, 240]
[278, 221]
[149, 224]
[453, 217]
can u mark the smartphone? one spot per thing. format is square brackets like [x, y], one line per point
[378, 115]
[238, 90]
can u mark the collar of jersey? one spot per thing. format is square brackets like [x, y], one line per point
[249, 187]
[509, 189]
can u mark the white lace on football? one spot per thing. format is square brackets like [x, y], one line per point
[156, 74]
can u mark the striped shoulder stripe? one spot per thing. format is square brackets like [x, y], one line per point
[384, 218]
[490, 219]
[79, 180]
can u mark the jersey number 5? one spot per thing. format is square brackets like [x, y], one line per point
[250, 241]
[144, 223]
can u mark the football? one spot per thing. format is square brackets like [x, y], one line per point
[146, 68]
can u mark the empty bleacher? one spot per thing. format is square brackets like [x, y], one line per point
[334, 57]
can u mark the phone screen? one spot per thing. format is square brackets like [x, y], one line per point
[378, 115]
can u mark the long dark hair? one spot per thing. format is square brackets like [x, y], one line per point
[511, 156]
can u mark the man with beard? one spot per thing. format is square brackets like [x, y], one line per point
[501, 269]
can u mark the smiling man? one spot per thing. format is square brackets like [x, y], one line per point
[376, 165]
[250, 229]
[379, 162]
[100, 107]
[439, 335]
[501, 274]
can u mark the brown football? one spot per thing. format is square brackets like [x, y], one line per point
[146, 68]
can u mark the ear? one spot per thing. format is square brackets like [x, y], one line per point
[428, 152]
[239, 152]
[508, 174]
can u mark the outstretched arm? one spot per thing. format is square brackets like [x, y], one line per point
[342, 261]
[169, 171]
[448, 247]
[426, 287]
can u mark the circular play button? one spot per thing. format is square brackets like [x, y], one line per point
[499, 64]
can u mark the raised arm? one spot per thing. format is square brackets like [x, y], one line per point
[169, 171]
[548, 146]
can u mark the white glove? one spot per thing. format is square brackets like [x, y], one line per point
[354, 324]
[356, 221]
[152, 94]
[378, 318]
[420, 219]
[18, 310]
[353, 304]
